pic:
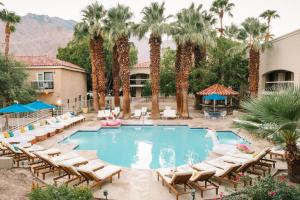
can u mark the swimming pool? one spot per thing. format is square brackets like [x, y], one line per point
[150, 147]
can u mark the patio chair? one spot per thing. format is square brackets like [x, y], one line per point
[206, 115]
[203, 176]
[99, 174]
[137, 114]
[55, 124]
[169, 114]
[116, 111]
[223, 174]
[17, 155]
[51, 163]
[175, 179]
[223, 114]
[277, 152]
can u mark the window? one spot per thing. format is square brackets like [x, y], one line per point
[45, 80]
[48, 76]
[79, 98]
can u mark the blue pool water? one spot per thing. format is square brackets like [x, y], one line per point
[150, 147]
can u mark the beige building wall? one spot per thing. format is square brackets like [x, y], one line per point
[68, 84]
[284, 55]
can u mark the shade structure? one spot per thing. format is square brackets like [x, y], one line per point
[17, 108]
[218, 89]
[214, 97]
[40, 105]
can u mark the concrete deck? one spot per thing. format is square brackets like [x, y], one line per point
[142, 184]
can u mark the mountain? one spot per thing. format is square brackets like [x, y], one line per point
[43, 35]
[39, 35]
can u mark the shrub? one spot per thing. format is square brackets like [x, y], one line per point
[61, 193]
[268, 188]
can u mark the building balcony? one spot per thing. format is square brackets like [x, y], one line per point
[273, 86]
[43, 86]
[135, 83]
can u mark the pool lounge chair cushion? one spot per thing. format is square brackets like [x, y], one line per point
[106, 172]
[91, 166]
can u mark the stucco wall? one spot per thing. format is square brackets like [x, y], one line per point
[67, 84]
[284, 55]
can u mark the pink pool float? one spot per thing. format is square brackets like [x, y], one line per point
[111, 123]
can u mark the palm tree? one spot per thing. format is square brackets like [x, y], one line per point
[116, 77]
[277, 117]
[92, 27]
[178, 65]
[154, 21]
[268, 15]
[220, 8]
[10, 19]
[119, 27]
[255, 31]
[188, 30]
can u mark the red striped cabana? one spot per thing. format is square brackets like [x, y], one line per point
[229, 93]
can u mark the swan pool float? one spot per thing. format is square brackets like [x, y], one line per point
[218, 147]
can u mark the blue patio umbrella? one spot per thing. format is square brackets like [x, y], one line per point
[215, 97]
[17, 108]
[40, 105]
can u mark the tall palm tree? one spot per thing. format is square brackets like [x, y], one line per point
[92, 27]
[255, 32]
[220, 8]
[269, 15]
[154, 21]
[119, 26]
[178, 65]
[188, 30]
[116, 77]
[277, 117]
[10, 19]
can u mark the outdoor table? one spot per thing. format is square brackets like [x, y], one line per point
[215, 114]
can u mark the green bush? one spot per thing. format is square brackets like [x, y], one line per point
[61, 193]
[268, 188]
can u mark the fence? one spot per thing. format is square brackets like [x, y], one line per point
[14, 121]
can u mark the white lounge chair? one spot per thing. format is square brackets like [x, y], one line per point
[144, 110]
[174, 179]
[103, 114]
[169, 114]
[116, 111]
[137, 114]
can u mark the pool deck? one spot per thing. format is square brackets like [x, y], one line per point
[136, 184]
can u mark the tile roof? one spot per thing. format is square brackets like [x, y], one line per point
[45, 61]
[142, 65]
[218, 89]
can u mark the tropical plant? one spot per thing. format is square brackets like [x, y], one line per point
[13, 84]
[277, 117]
[254, 31]
[61, 192]
[189, 30]
[118, 26]
[92, 26]
[220, 8]
[268, 15]
[269, 188]
[154, 21]
[10, 19]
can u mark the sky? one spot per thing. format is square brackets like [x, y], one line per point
[71, 9]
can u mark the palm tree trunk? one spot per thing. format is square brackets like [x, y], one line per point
[94, 75]
[123, 60]
[187, 61]
[293, 162]
[7, 38]
[253, 71]
[116, 78]
[197, 55]
[100, 65]
[155, 43]
[178, 78]
[221, 24]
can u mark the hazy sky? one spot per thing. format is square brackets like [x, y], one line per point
[70, 9]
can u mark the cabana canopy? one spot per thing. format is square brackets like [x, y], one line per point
[40, 105]
[17, 108]
[218, 89]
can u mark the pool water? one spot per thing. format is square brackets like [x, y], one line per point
[150, 147]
